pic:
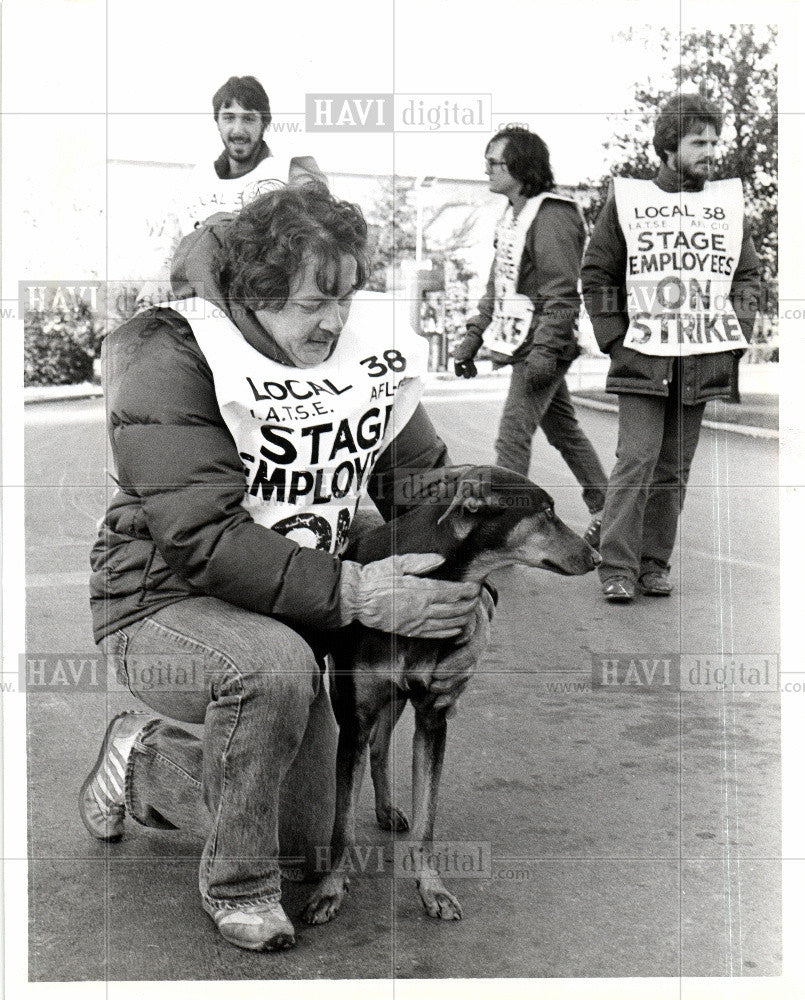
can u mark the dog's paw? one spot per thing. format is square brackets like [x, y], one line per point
[439, 903]
[389, 817]
[326, 900]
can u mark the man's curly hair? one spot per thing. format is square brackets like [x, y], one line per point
[271, 239]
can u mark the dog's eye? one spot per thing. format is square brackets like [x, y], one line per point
[548, 512]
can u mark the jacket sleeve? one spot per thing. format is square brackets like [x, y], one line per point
[603, 279]
[746, 285]
[175, 453]
[555, 241]
[303, 169]
[417, 448]
[481, 320]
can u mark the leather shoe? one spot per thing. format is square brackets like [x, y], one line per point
[656, 584]
[592, 536]
[619, 589]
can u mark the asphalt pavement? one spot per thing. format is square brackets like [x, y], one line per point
[628, 828]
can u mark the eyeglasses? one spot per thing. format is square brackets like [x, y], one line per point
[494, 163]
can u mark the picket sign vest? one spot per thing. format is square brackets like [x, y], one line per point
[309, 437]
[205, 193]
[682, 248]
[512, 312]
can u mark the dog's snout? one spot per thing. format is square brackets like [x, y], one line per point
[556, 547]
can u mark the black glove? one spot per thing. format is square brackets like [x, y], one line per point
[464, 354]
[540, 368]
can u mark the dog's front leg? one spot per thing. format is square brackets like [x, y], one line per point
[389, 816]
[429, 741]
[328, 895]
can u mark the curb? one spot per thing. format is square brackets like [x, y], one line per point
[714, 425]
[93, 392]
[61, 395]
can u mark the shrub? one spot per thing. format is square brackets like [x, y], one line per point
[60, 346]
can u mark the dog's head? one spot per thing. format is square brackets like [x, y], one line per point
[500, 518]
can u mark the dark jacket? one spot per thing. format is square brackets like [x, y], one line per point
[603, 277]
[549, 276]
[176, 527]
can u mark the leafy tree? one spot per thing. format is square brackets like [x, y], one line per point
[393, 218]
[737, 70]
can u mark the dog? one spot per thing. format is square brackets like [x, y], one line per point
[479, 519]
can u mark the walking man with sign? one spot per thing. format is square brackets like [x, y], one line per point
[529, 314]
[671, 281]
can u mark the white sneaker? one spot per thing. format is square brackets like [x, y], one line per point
[102, 799]
[256, 926]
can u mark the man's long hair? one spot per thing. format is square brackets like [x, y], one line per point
[527, 158]
[272, 238]
[248, 92]
[682, 115]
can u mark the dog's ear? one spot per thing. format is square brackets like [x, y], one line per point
[466, 507]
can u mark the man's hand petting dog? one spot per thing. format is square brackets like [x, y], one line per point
[391, 595]
[450, 676]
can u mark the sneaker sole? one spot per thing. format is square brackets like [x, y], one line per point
[280, 942]
[115, 837]
[618, 598]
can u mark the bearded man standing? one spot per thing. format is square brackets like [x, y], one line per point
[671, 281]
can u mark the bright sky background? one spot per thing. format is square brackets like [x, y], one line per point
[552, 65]
[81, 86]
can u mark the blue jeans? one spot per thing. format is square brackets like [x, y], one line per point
[657, 438]
[263, 772]
[550, 408]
